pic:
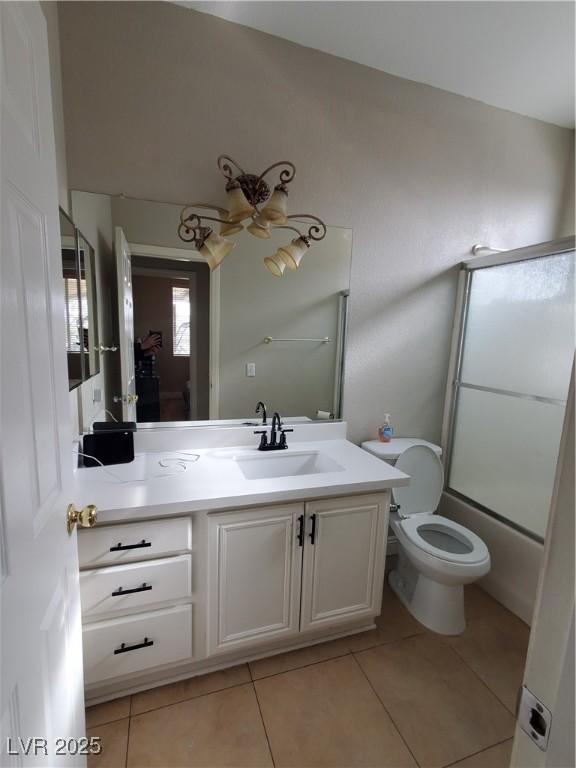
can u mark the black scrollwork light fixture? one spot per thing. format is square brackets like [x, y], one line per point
[250, 197]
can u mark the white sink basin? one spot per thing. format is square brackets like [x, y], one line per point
[264, 465]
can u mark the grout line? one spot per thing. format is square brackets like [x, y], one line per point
[127, 743]
[385, 709]
[389, 642]
[264, 725]
[480, 751]
[484, 683]
[188, 698]
[301, 666]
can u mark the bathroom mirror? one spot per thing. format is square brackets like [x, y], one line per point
[81, 312]
[209, 345]
[88, 307]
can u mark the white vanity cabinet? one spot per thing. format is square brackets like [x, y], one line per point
[167, 598]
[344, 555]
[255, 566]
[136, 592]
[282, 571]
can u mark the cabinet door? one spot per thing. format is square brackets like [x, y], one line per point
[344, 556]
[254, 576]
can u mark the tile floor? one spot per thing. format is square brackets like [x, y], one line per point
[396, 697]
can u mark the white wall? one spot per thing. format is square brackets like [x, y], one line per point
[295, 378]
[155, 92]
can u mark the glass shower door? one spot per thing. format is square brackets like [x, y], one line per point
[516, 358]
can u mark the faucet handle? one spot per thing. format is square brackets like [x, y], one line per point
[283, 443]
[263, 438]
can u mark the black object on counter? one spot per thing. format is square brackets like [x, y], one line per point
[108, 447]
[114, 426]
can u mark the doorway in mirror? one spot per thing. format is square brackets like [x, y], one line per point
[171, 339]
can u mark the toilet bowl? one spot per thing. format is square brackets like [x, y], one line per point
[436, 556]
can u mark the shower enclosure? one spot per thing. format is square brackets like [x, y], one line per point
[512, 358]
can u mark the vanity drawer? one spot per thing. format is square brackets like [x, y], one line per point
[135, 585]
[133, 541]
[134, 643]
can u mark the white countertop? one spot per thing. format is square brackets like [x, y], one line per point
[215, 481]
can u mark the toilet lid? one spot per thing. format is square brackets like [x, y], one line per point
[426, 481]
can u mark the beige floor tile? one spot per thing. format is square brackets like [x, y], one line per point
[107, 712]
[394, 623]
[493, 757]
[219, 729]
[495, 648]
[189, 689]
[328, 715]
[114, 740]
[442, 709]
[479, 604]
[302, 657]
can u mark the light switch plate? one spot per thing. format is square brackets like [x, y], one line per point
[250, 369]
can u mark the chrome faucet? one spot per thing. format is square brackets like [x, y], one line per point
[261, 408]
[274, 444]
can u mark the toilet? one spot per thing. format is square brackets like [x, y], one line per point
[436, 556]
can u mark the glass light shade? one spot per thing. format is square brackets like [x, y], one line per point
[276, 209]
[239, 206]
[259, 228]
[230, 227]
[275, 264]
[292, 254]
[215, 249]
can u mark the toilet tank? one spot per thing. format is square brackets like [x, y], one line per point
[391, 451]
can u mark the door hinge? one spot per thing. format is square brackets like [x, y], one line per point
[534, 718]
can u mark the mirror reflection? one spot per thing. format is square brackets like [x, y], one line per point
[88, 309]
[81, 312]
[209, 344]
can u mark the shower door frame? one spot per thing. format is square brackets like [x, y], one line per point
[454, 384]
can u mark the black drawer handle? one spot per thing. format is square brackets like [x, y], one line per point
[125, 648]
[119, 547]
[121, 591]
[300, 534]
[313, 531]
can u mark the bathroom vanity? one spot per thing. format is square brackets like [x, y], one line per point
[196, 565]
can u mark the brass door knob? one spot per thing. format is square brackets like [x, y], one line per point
[85, 517]
[126, 399]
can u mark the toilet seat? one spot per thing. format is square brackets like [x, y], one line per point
[445, 539]
[426, 481]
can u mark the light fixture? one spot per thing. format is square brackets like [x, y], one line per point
[213, 247]
[275, 264]
[292, 254]
[250, 196]
[259, 228]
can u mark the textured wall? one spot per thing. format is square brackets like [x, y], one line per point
[153, 92]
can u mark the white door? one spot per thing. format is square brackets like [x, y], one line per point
[549, 673]
[344, 554]
[254, 576]
[126, 325]
[41, 642]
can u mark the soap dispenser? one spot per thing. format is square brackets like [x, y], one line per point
[385, 431]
